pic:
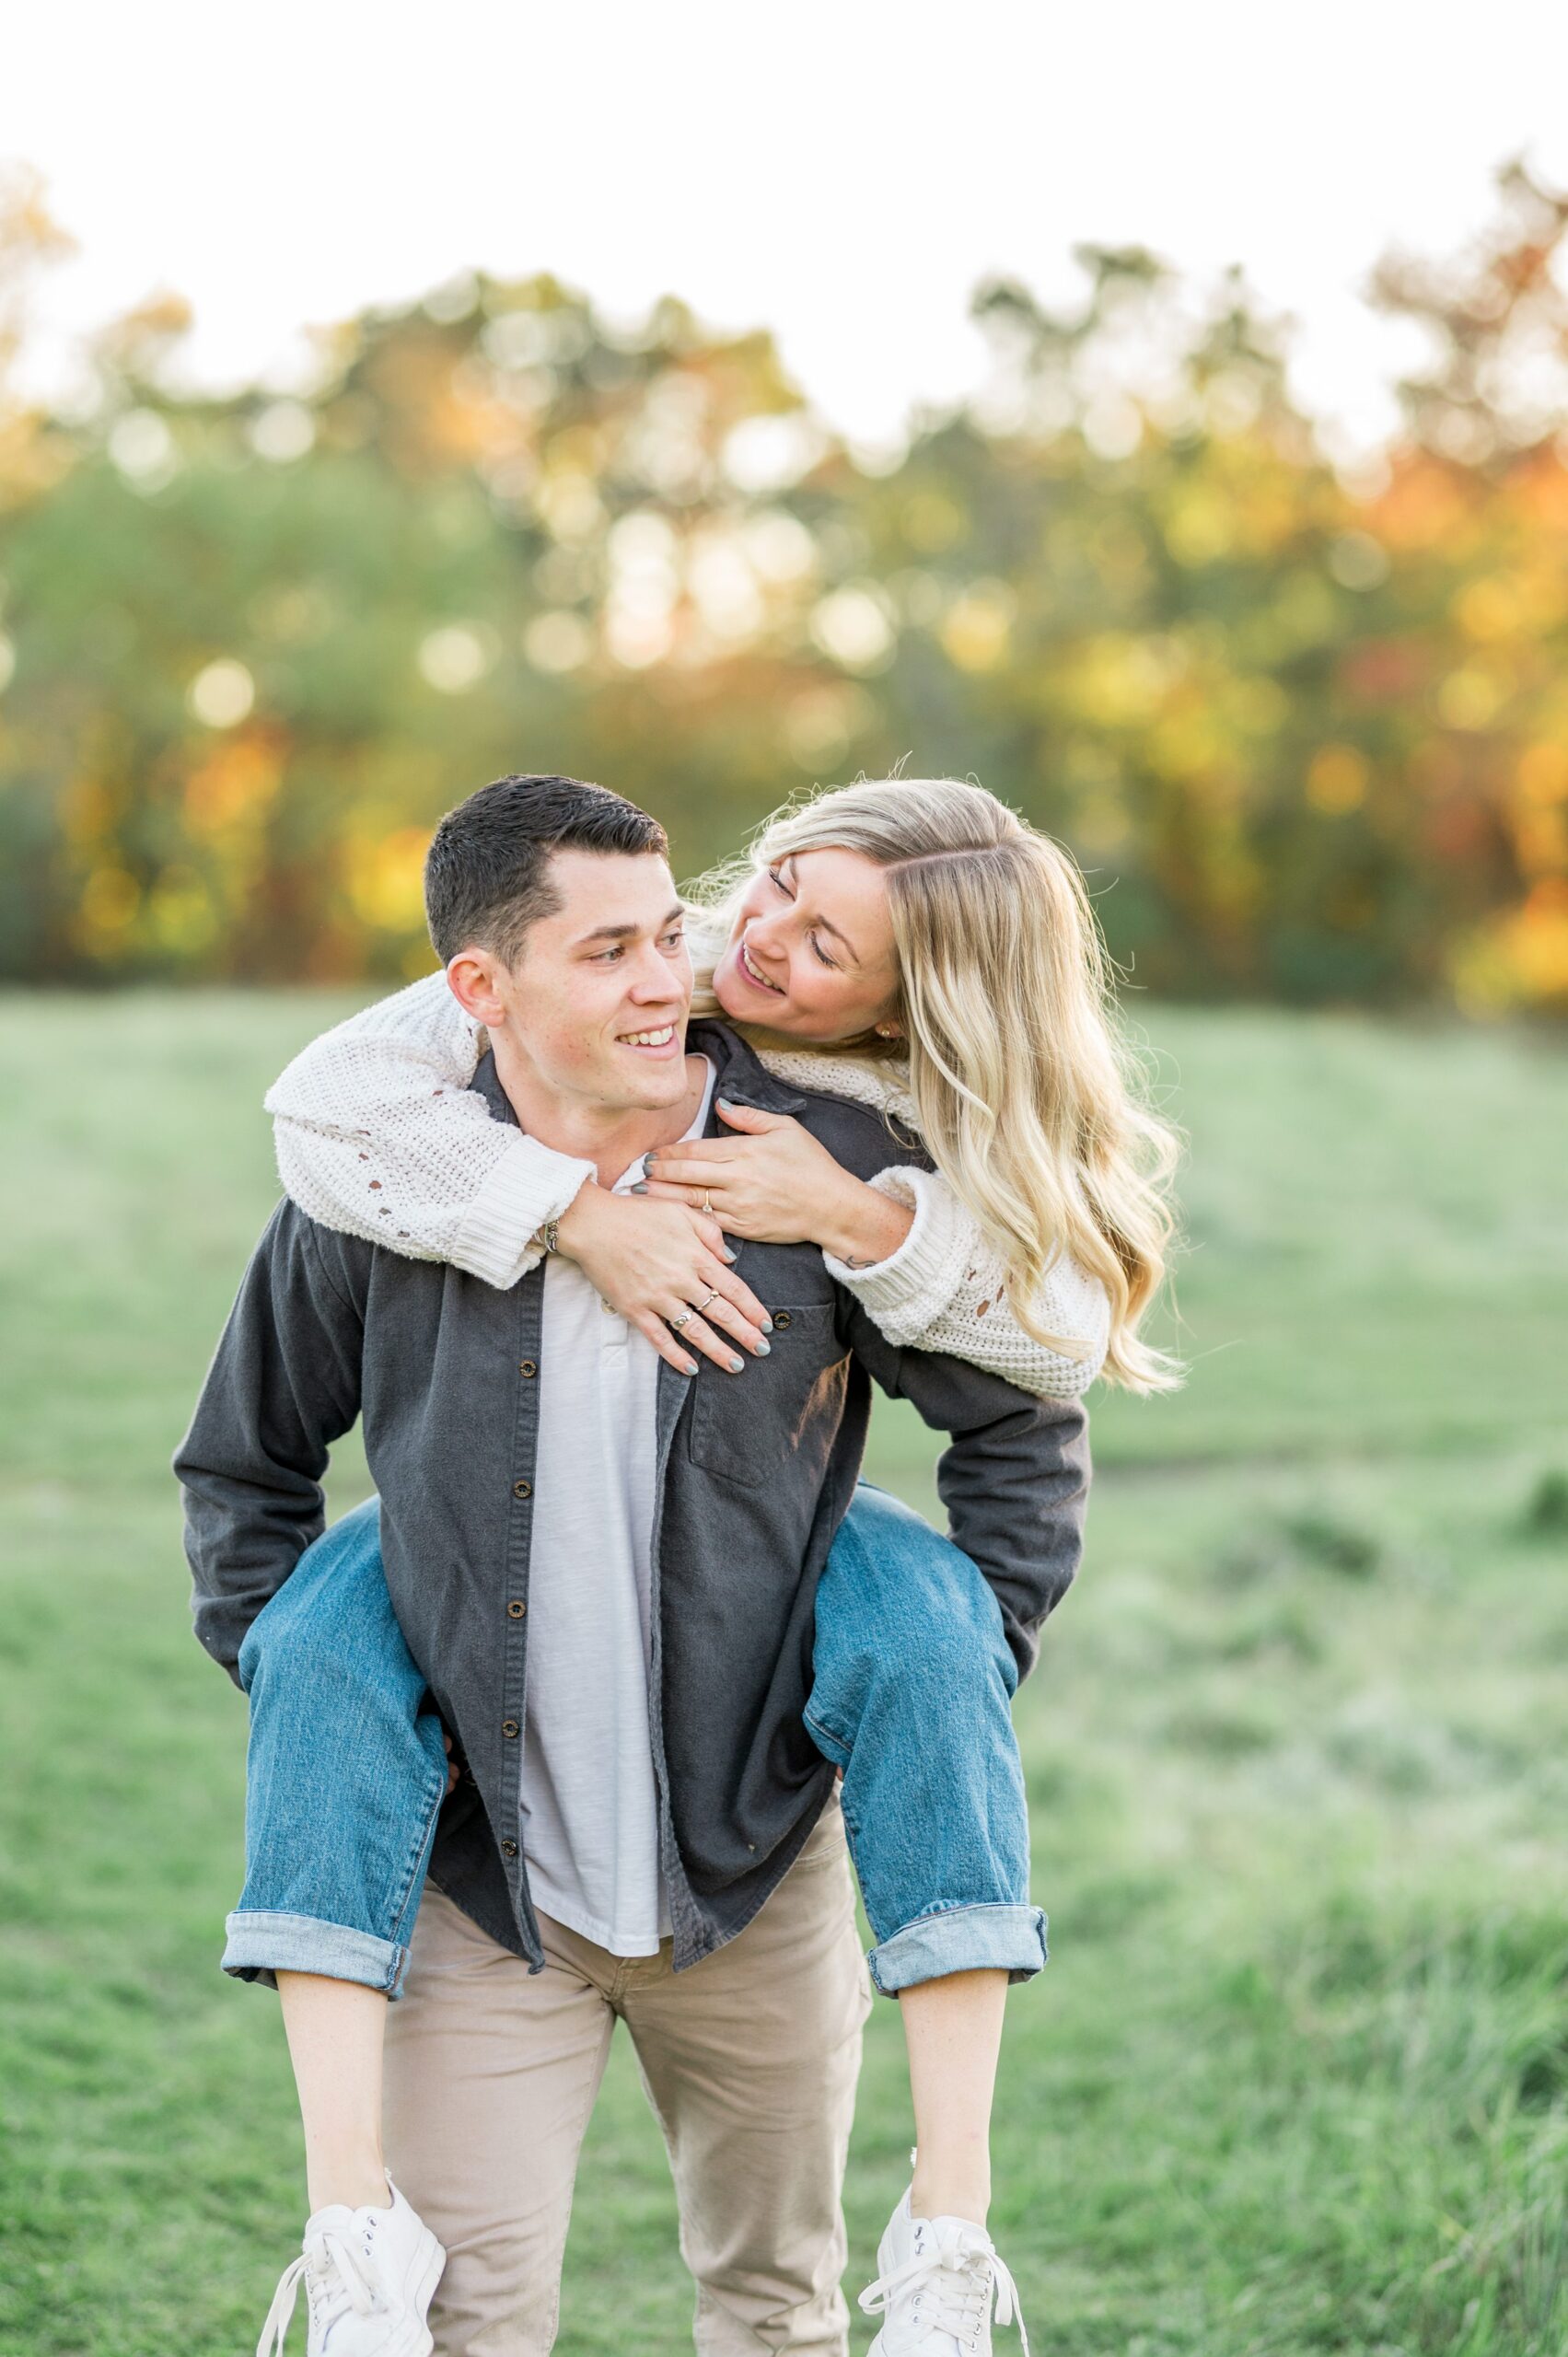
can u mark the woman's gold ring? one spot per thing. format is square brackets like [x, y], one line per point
[711, 1295]
[707, 1203]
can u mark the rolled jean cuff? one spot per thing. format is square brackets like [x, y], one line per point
[261, 1944]
[995, 1937]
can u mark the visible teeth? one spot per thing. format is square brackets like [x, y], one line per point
[649, 1038]
[755, 972]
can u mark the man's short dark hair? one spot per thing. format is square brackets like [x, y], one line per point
[487, 871]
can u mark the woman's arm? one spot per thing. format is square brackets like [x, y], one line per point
[380, 1135]
[945, 1289]
[913, 1254]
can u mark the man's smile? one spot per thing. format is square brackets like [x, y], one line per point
[651, 1043]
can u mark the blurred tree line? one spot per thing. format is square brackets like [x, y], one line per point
[1307, 729]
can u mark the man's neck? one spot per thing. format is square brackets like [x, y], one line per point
[612, 1137]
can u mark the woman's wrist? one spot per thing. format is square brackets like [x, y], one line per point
[861, 1225]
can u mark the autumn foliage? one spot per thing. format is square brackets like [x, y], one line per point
[1307, 729]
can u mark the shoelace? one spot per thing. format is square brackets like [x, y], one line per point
[957, 2280]
[332, 2256]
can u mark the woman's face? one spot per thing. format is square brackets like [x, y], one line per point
[811, 954]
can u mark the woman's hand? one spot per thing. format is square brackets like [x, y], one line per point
[776, 1184]
[656, 1261]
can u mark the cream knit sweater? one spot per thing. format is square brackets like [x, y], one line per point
[378, 1135]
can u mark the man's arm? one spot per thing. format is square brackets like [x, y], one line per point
[283, 1383]
[1013, 1478]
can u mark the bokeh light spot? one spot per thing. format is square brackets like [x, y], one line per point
[822, 724]
[976, 632]
[637, 640]
[1357, 562]
[283, 430]
[765, 454]
[854, 628]
[725, 589]
[223, 693]
[1337, 779]
[386, 879]
[780, 548]
[1470, 699]
[557, 642]
[142, 448]
[456, 657]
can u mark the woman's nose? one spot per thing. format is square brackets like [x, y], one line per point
[764, 938]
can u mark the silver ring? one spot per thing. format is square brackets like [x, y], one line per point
[711, 1295]
[684, 1320]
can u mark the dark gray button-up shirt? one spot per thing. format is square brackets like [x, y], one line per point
[755, 1473]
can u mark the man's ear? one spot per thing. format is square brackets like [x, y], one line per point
[471, 978]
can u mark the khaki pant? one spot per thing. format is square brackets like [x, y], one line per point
[749, 2059]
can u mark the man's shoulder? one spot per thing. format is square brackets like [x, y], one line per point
[863, 1138]
[321, 1253]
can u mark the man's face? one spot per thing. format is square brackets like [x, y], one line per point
[596, 1006]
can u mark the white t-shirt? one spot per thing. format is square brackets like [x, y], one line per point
[590, 1832]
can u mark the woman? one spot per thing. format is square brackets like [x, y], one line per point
[947, 956]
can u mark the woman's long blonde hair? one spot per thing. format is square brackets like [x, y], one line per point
[1029, 1100]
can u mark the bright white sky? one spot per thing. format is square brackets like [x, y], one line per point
[840, 170]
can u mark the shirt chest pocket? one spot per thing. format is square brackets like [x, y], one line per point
[756, 1426]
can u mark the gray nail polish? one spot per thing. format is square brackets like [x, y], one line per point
[767, 1325]
[690, 1367]
[737, 1366]
[727, 1253]
[640, 1189]
[765, 1350]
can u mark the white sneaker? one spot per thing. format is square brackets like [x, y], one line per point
[936, 2283]
[369, 2276]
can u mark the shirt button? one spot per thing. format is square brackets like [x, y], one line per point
[508, 1848]
[781, 1318]
[508, 1728]
[516, 1609]
[528, 1367]
[525, 1489]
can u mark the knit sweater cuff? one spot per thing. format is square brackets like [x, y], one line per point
[908, 1292]
[529, 1185]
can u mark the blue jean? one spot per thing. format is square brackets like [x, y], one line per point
[911, 1682]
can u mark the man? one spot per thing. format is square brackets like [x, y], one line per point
[605, 1571]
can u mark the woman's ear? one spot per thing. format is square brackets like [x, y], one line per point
[470, 978]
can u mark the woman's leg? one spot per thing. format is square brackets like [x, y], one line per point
[347, 1771]
[335, 2031]
[913, 1678]
[953, 2033]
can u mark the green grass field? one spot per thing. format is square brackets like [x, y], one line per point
[1297, 2078]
